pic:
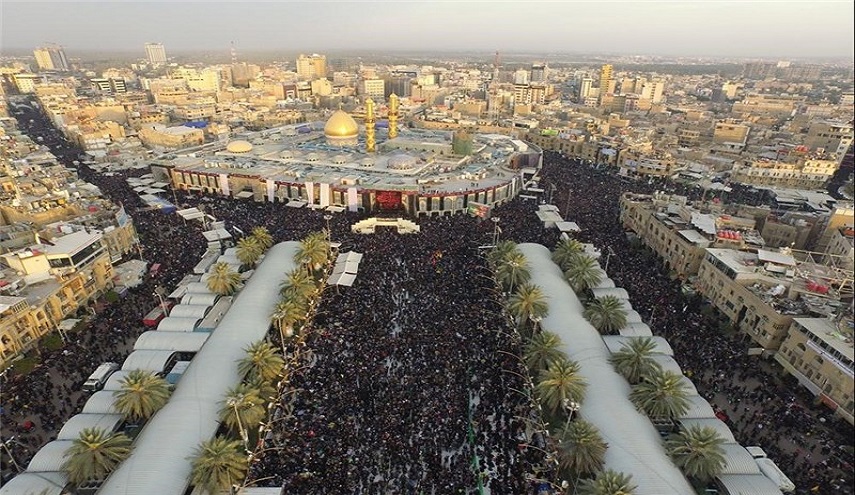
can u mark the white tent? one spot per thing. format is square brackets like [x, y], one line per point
[189, 311]
[50, 457]
[79, 422]
[27, 483]
[668, 363]
[147, 360]
[101, 402]
[699, 408]
[741, 484]
[171, 341]
[738, 460]
[114, 382]
[203, 299]
[175, 324]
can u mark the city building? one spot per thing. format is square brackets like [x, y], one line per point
[51, 57]
[539, 72]
[585, 88]
[311, 67]
[155, 53]
[161, 136]
[46, 283]
[372, 88]
[819, 353]
[829, 137]
[811, 173]
[606, 81]
[761, 293]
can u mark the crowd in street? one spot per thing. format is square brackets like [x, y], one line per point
[411, 386]
[764, 407]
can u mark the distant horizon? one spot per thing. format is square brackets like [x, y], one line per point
[704, 29]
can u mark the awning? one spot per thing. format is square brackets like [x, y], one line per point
[79, 422]
[245, 195]
[50, 457]
[568, 227]
[296, 204]
[47, 483]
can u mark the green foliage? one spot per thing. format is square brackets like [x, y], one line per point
[94, 455]
[559, 383]
[142, 394]
[608, 483]
[698, 452]
[581, 449]
[634, 361]
[217, 464]
[52, 341]
[661, 395]
[606, 314]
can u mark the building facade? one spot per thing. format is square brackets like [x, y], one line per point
[155, 53]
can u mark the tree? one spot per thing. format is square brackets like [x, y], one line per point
[661, 395]
[583, 272]
[243, 408]
[286, 314]
[528, 302]
[561, 381]
[543, 349]
[608, 483]
[297, 284]
[513, 271]
[248, 251]
[698, 452]
[606, 314]
[217, 464]
[262, 235]
[581, 449]
[313, 251]
[634, 361]
[142, 394]
[94, 454]
[501, 252]
[262, 360]
[565, 251]
[223, 280]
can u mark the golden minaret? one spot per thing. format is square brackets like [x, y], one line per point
[370, 141]
[393, 116]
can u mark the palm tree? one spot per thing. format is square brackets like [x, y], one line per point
[634, 360]
[313, 252]
[94, 455]
[581, 449]
[248, 251]
[608, 483]
[286, 314]
[661, 395]
[501, 252]
[606, 314]
[513, 271]
[543, 349]
[266, 389]
[262, 235]
[297, 284]
[559, 383]
[528, 302]
[262, 360]
[243, 408]
[142, 394]
[583, 272]
[223, 280]
[218, 464]
[698, 452]
[565, 251]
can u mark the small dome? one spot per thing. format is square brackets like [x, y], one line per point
[239, 147]
[341, 126]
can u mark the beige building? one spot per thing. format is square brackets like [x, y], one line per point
[44, 284]
[171, 137]
[761, 293]
[373, 88]
[818, 352]
[808, 174]
[310, 67]
[831, 137]
[730, 132]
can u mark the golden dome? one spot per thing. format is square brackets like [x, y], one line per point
[341, 126]
[239, 147]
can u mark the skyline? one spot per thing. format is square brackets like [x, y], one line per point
[727, 29]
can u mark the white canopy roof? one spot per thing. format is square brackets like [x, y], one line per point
[350, 256]
[698, 408]
[605, 283]
[197, 288]
[635, 446]
[632, 316]
[50, 457]
[171, 341]
[689, 386]
[189, 311]
[617, 342]
[345, 279]
[668, 363]
[739, 460]
[191, 415]
[175, 324]
[148, 360]
[636, 330]
[101, 402]
[79, 422]
[751, 484]
[714, 423]
[48, 483]
[618, 292]
[113, 383]
[205, 299]
[568, 227]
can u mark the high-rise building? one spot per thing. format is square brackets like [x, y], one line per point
[521, 76]
[653, 90]
[585, 88]
[155, 53]
[311, 67]
[605, 79]
[539, 72]
[372, 88]
[51, 57]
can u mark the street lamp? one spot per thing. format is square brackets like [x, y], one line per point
[496, 230]
[9, 453]
[159, 292]
[328, 217]
[608, 258]
[571, 407]
[233, 403]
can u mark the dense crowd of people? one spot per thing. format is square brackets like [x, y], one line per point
[410, 386]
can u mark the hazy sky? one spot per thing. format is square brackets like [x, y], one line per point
[703, 28]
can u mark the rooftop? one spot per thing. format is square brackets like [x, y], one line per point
[837, 334]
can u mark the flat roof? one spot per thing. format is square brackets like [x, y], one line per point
[828, 332]
[72, 243]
